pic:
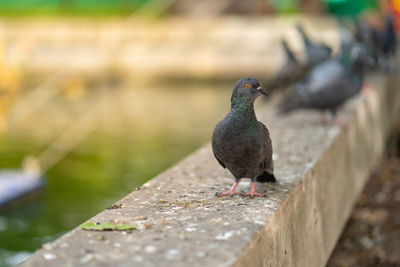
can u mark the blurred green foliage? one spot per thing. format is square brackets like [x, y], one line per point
[69, 7]
[286, 6]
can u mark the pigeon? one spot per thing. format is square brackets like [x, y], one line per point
[291, 72]
[241, 143]
[385, 42]
[316, 53]
[365, 35]
[329, 85]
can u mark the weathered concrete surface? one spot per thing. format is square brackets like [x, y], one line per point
[180, 222]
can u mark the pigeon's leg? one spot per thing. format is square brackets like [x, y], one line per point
[365, 90]
[325, 117]
[232, 191]
[253, 192]
[337, 120]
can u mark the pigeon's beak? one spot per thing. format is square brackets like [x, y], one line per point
[262, 90]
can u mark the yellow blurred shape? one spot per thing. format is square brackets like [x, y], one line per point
[74, 88]
[10, 76]
[2, 121]
[31, 165]
[396, 5]
[10, 84]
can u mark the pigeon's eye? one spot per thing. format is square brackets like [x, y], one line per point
[247, 85]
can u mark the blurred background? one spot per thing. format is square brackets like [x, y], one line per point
[97, 97]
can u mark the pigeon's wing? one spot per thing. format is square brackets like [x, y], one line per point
[219, 161]
[333, 94]
[267, 145]
[214, 148]
[324, 74]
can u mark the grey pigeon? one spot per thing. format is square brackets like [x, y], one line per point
[316, 53]
[291, 72]
[241, 143]
[385, 41]
[366, 36]
[330, 84]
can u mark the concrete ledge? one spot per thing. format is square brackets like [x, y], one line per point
[321, 171]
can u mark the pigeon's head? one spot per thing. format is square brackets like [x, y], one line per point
[360, 58]
[247, 89]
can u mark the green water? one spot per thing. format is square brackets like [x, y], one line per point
[141, 133]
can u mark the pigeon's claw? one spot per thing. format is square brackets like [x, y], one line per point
[339, 122]
[253, 192]
[230, 192]
[325, 119]
[366, 90]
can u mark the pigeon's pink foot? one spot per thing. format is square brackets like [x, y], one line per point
[230, 192]
[325, 118]
[340, 122]
[253, 192]
[365, 90]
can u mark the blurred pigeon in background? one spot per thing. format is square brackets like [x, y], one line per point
[385, 41]
[330, 84]
[316, 53]
[364, 35]
[291, 72]
[241, 143]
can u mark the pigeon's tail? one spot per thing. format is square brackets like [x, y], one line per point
[266, 177]
[303, 34]
[289, 53]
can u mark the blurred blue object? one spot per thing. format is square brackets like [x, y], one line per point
[17, 183]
